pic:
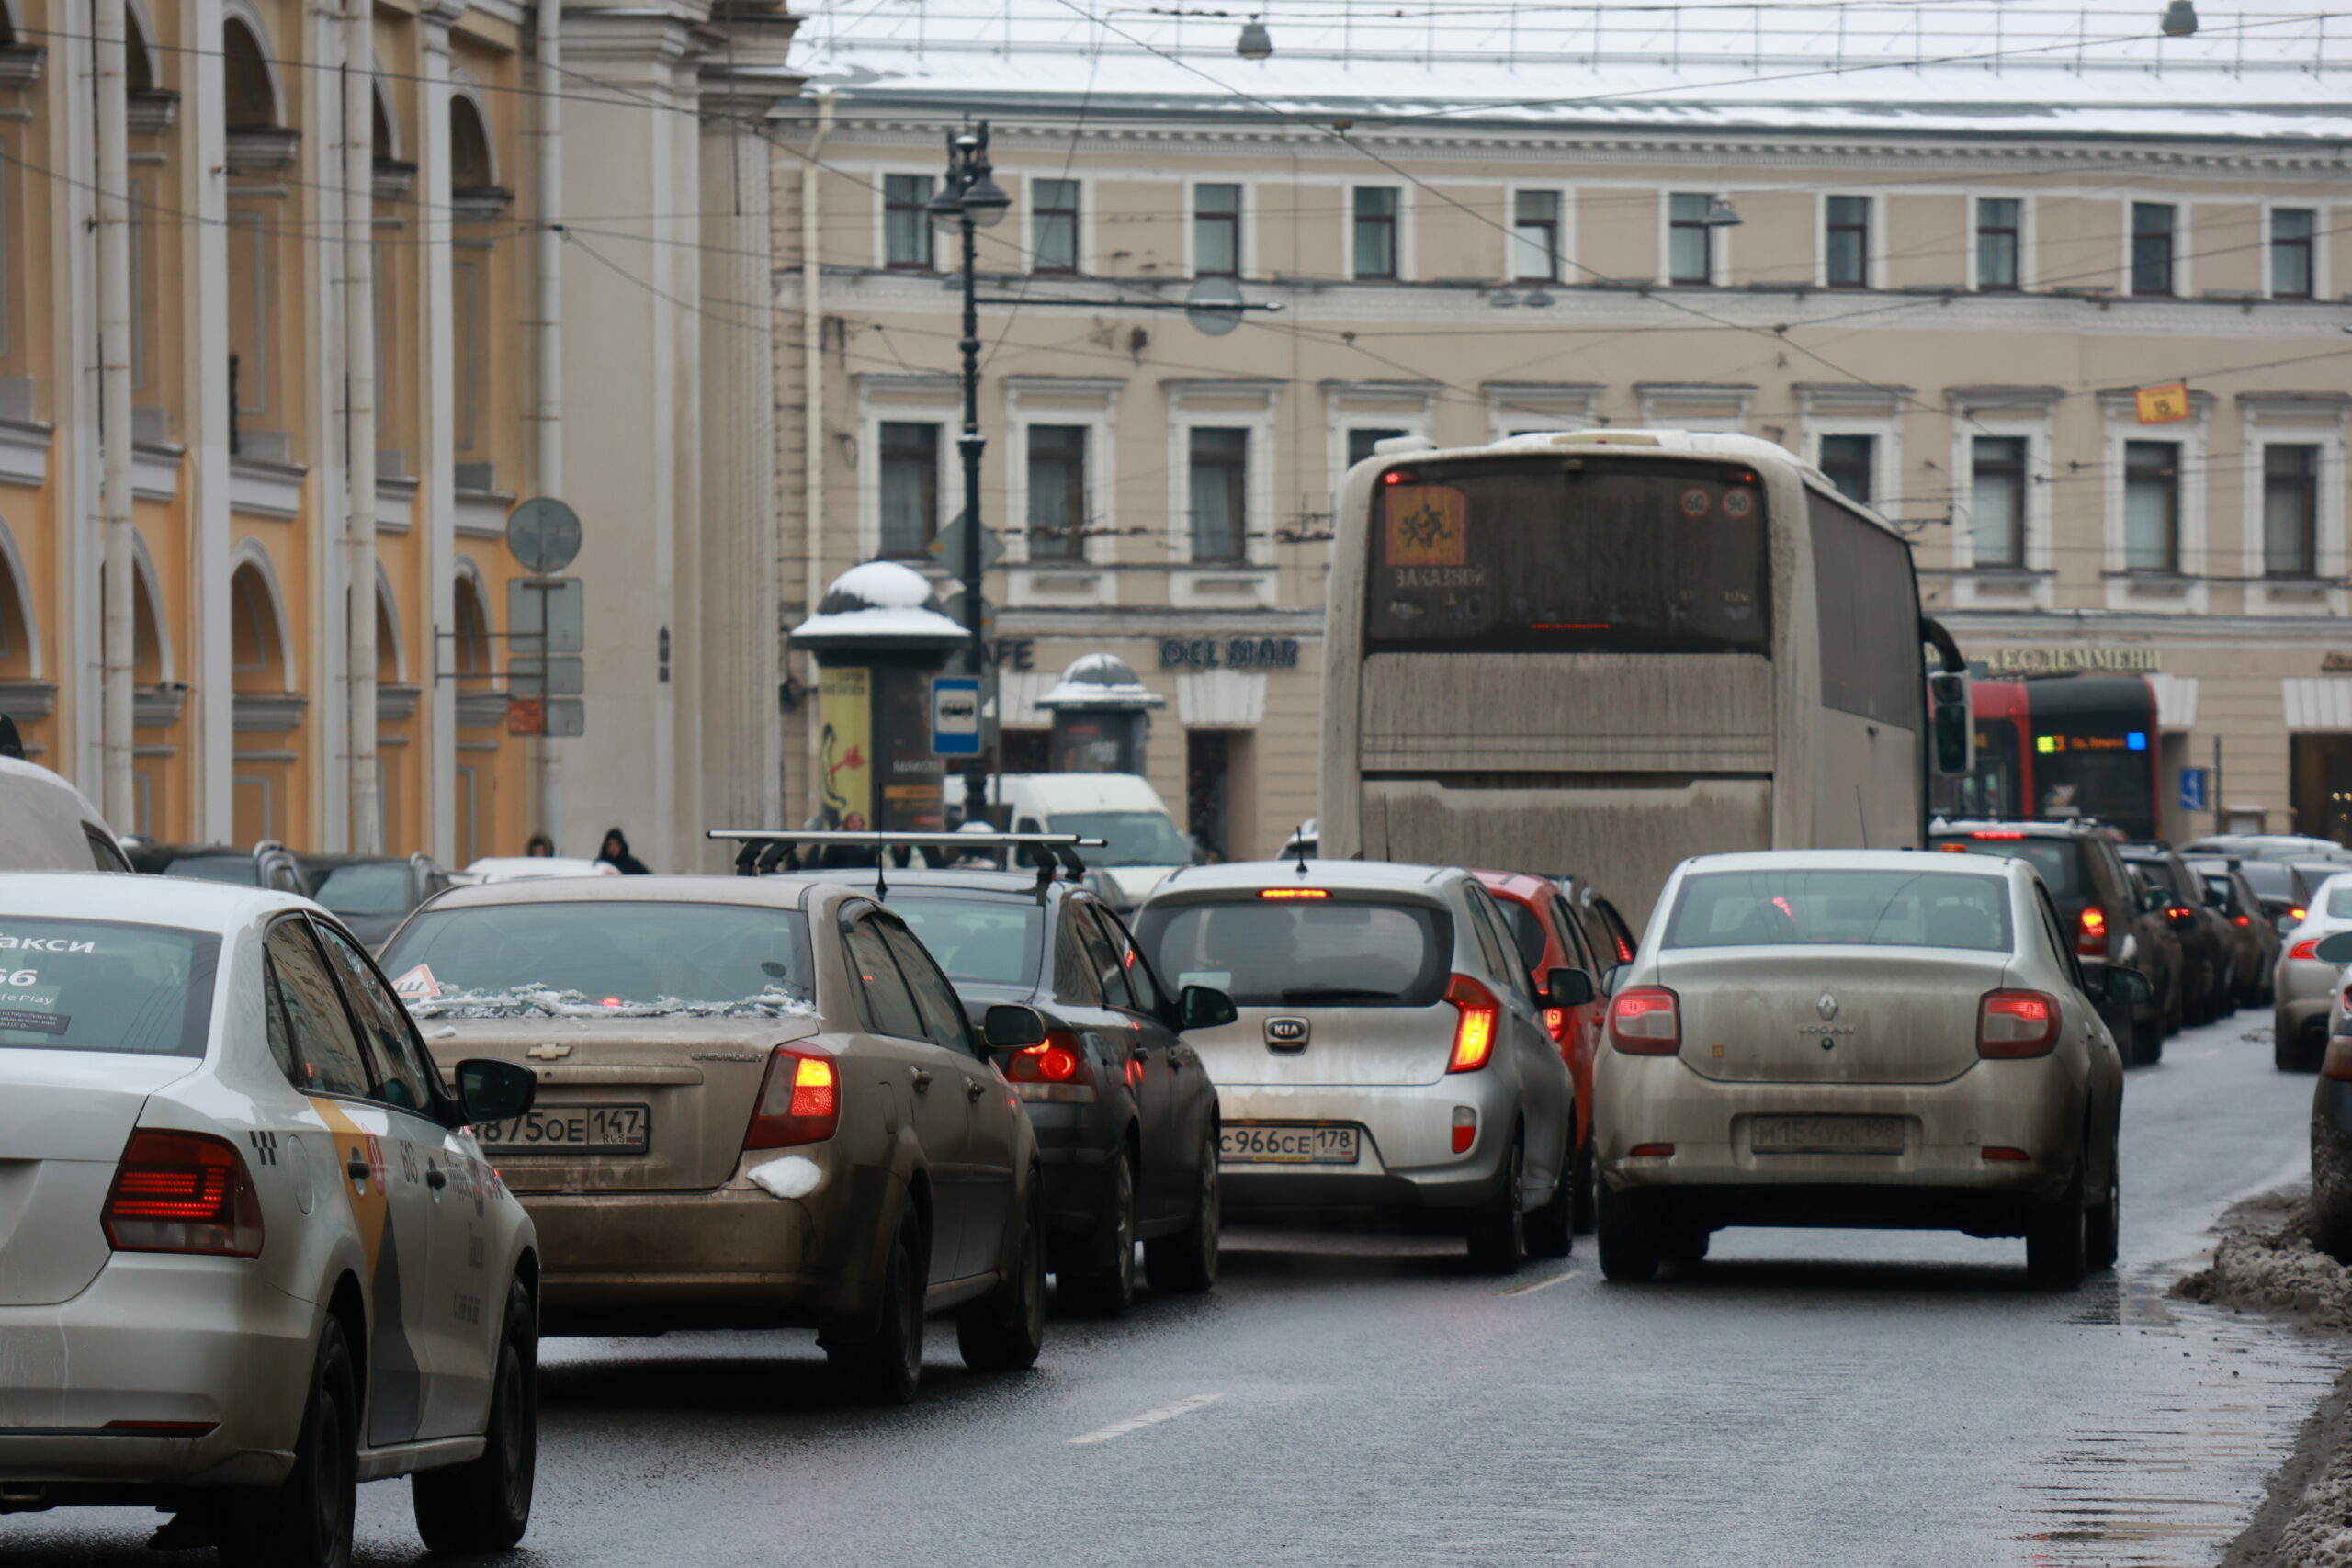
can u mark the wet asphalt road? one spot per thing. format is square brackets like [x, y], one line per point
[1804, 1398]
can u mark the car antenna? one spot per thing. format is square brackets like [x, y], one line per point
[1298, 837]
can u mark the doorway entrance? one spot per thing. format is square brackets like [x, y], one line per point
[2322, 767]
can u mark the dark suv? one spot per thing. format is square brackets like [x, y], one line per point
[2206, 991]
[2095, 896]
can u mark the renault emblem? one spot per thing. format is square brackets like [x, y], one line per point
[1826, 1007]
[550, 1052]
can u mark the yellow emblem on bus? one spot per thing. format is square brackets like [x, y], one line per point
[1428, 525]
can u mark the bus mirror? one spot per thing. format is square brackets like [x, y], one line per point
[1952, 725]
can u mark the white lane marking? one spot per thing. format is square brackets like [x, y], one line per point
[1151, 1417]
[1543, 1284]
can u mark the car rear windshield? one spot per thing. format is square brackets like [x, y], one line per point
[243, 870]
[1303, 952]
[993, 941]
[2060, 860]
[375, 887]
[2272, 879]
[2155, 873]
[1568, 554]
[1129, 838]
[1867, 908]
[629, 956]
[105, 985]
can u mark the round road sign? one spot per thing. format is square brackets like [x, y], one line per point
[543, 534]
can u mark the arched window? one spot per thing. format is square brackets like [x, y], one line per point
[17, 648]
[471, 652]
[252, 96]
[470, 165]
[137, 57]
[257, 637]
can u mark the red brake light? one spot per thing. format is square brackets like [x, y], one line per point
[800, 1103]
[2011, 1024]
[1054, 1069]
[2307, 949]
[182, 1192]
[2179, 912]
[1651, 1151]
[2240, 919]
[1465, 1129]
[1999, 1151]
[2090, 936]
[1645, 1021]
[1555, 1023]
[2297, 915]
[1293, 893]
[1473, 1031]
[1996, 833]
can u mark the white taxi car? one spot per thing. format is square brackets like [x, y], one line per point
[250, 1255]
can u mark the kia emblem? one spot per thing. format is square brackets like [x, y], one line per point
[1287, 1033]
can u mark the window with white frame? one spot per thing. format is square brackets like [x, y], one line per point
[1849, 461]
[1690, 239]
[1846, 241]
[909, 487]
[1056, 493]
[2293, 231]
[906, 222]
[1996, 500]
[2151, 506]
[1999, 234]
[2289, 510]
[1053, 226]
[1535, 236]
[1217, 231]
[1363, 439]
[1218, 464]
[1372, 211]
[2152, 241]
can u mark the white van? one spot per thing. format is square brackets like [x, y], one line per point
[1140, 842]
[48, 825]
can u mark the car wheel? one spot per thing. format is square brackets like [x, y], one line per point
[1626, 1224]
[1583, 1187]
[2104, 1224]
[305, 1520]
[1105, 1285]
[2056, 1237]
[2147, 1040]
[1497, 1226]
[1003, 1331]
[1186, 1261]
[1552, 1229]
[886, 1368]
[1685, 1245]
[485, 1505]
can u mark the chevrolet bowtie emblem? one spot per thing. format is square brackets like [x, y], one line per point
[548, 1053]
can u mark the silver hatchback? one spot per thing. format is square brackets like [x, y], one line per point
[1388, 1055]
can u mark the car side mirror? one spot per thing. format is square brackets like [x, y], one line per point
[1205, 1007]
[1010, 1026]
[2153, 900]
[2125, 987]
[1568, 987]
[2337, 949]
[494, 1091]
[1610, 978]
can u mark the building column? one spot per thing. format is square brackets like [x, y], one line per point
[436, 460]
[319, 208]
[204, 251]
[73, 404]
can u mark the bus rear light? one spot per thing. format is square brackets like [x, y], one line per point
[2012, 1024]
[1996, 1151]
[1645, 1021]
[1473, 1031]
[2090, 933]
[1465, 1129]
[182, 1192]
[799, 1102]
[1651, 1151]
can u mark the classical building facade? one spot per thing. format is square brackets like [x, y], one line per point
[1935, 253]
[547, 188]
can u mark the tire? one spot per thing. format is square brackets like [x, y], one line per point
[886, 1369]
[1627, 1228]
[1104, 1284]
[2147, 1042]
[1185, 1262]
[2103, 1226]
[305, 1521]
[1584, 1187]
[2057, 1237]
[1551, 1230]
[1003, 1331]
[1683, 1245]
[1497, 1226]
[485, 1505]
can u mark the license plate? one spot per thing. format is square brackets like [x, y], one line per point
[571, 1129]
[1277, 1145]
[1827, 1134]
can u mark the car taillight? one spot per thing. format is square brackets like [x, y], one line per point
[2017, 1023]
[800, 1103]
[1645, 1021]
[1053, 1070]
[2337, 1063]
[2307, 949]
[1473, 1031]
[182, 1192]
[2090, 933]
[2240, 921]
[2297, 915]
[1555, 1023]
[2179, 912]
[1465, 1129]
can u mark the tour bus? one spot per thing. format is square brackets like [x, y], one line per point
[1601, 652]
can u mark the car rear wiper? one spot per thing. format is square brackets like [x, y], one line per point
[1338, 993]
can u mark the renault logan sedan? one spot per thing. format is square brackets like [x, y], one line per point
[1389, 1051]
[249, 1253]
[760, 1105]
[1889, 1038]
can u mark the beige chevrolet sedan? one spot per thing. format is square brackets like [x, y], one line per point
[759, 1105]
[1858, 1038]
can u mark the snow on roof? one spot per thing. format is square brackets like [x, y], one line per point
[2033, 67]
[1100, 680]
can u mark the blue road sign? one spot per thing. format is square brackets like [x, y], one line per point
[955, 715]
[2192, 790]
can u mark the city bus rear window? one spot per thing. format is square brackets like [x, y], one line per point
[1567, 554]
[1321, 952]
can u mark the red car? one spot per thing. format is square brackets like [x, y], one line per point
[1567, 926]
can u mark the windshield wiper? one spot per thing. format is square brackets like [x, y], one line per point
[1338, 993]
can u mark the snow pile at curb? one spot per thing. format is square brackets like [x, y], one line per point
[2276, 1269]
[2320, 1535]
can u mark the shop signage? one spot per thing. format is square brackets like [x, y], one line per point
[2335, 663]
[1228, 653]
[2167, 404]
[2066, 657]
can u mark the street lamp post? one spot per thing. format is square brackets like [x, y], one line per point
[975, 201]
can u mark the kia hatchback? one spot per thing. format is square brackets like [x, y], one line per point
[1389, 1051]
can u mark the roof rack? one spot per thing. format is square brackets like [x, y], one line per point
[765, 849]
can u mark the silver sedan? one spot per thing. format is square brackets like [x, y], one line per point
[2304, 987]
[1867, 1038]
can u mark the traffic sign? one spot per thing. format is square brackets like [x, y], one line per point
[2192, 789]
[558, 675]
[948, 548]
[543, 534]
[544, 615]
[955, 715]
[567, 718]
